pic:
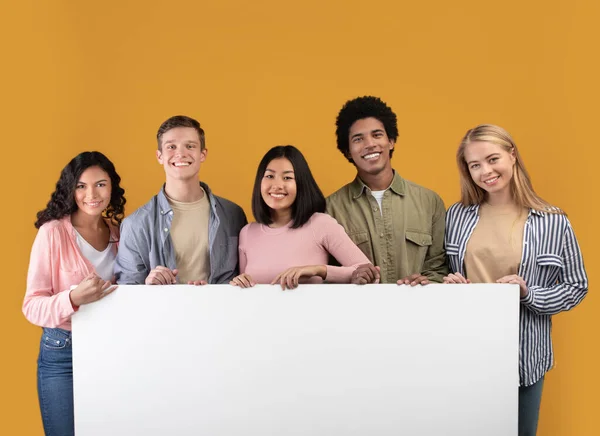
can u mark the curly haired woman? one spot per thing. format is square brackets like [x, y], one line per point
[71, 264]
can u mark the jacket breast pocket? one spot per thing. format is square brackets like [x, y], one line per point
[418, 243]
[419, 238]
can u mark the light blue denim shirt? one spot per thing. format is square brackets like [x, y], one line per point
[146, 240]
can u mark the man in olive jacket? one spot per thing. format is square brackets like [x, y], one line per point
[398, 224]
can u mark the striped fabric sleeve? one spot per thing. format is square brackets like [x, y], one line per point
[571, 286]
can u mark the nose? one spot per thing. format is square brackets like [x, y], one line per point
[486, 169]
[91, 192]
[275, 183]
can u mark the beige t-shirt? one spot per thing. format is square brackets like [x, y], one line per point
[189, 233]
[496, 245]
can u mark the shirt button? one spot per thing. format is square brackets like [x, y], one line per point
[374, 209]
[171, 213]
[166, 230]
[384, 260]
[381, 235]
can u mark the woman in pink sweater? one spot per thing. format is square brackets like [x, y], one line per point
[292, 238]
[71, 264]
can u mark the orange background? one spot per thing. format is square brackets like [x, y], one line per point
[103, 75]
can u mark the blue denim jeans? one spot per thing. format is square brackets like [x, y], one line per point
[55, 382]
[530, 398]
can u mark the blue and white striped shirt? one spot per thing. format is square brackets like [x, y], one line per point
[551, 265]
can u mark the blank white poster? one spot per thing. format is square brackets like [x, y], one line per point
[318, 360]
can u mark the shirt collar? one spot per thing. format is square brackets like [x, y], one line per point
[165, 206]
[358, 187]
[163, 203]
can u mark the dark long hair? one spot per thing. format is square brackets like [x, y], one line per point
[62, 201]
[309, 198]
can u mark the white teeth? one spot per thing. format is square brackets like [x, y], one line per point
[181, 164]
[490, 181]
[371, 156]
[277, 195]
[97, 203]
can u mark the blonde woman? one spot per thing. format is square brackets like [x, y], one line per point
[503, 232]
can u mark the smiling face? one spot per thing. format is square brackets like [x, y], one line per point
[181, 153]
[278, 185]
[491, 166]
[93, 191]
[370, 146]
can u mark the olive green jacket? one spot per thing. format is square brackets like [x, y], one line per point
[407, 238]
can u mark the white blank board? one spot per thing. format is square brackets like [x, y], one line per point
[318, 360]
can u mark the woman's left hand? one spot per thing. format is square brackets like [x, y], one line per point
[515, 279]
[290, 277]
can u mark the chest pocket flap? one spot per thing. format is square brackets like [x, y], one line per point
[421, 239]
[359, 237]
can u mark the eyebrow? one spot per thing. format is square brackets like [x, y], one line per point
[486, 158]
[83, 183]
[361, 134]
[172, 141]
[273, 171]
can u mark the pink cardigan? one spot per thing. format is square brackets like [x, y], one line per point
[56, 264]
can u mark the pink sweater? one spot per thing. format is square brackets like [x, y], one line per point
[56, 264]
[266, 252]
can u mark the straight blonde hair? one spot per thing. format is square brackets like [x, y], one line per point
[520, 184]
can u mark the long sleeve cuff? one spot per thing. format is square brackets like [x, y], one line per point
[65, 306]
[527, 300]
[339, 274]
